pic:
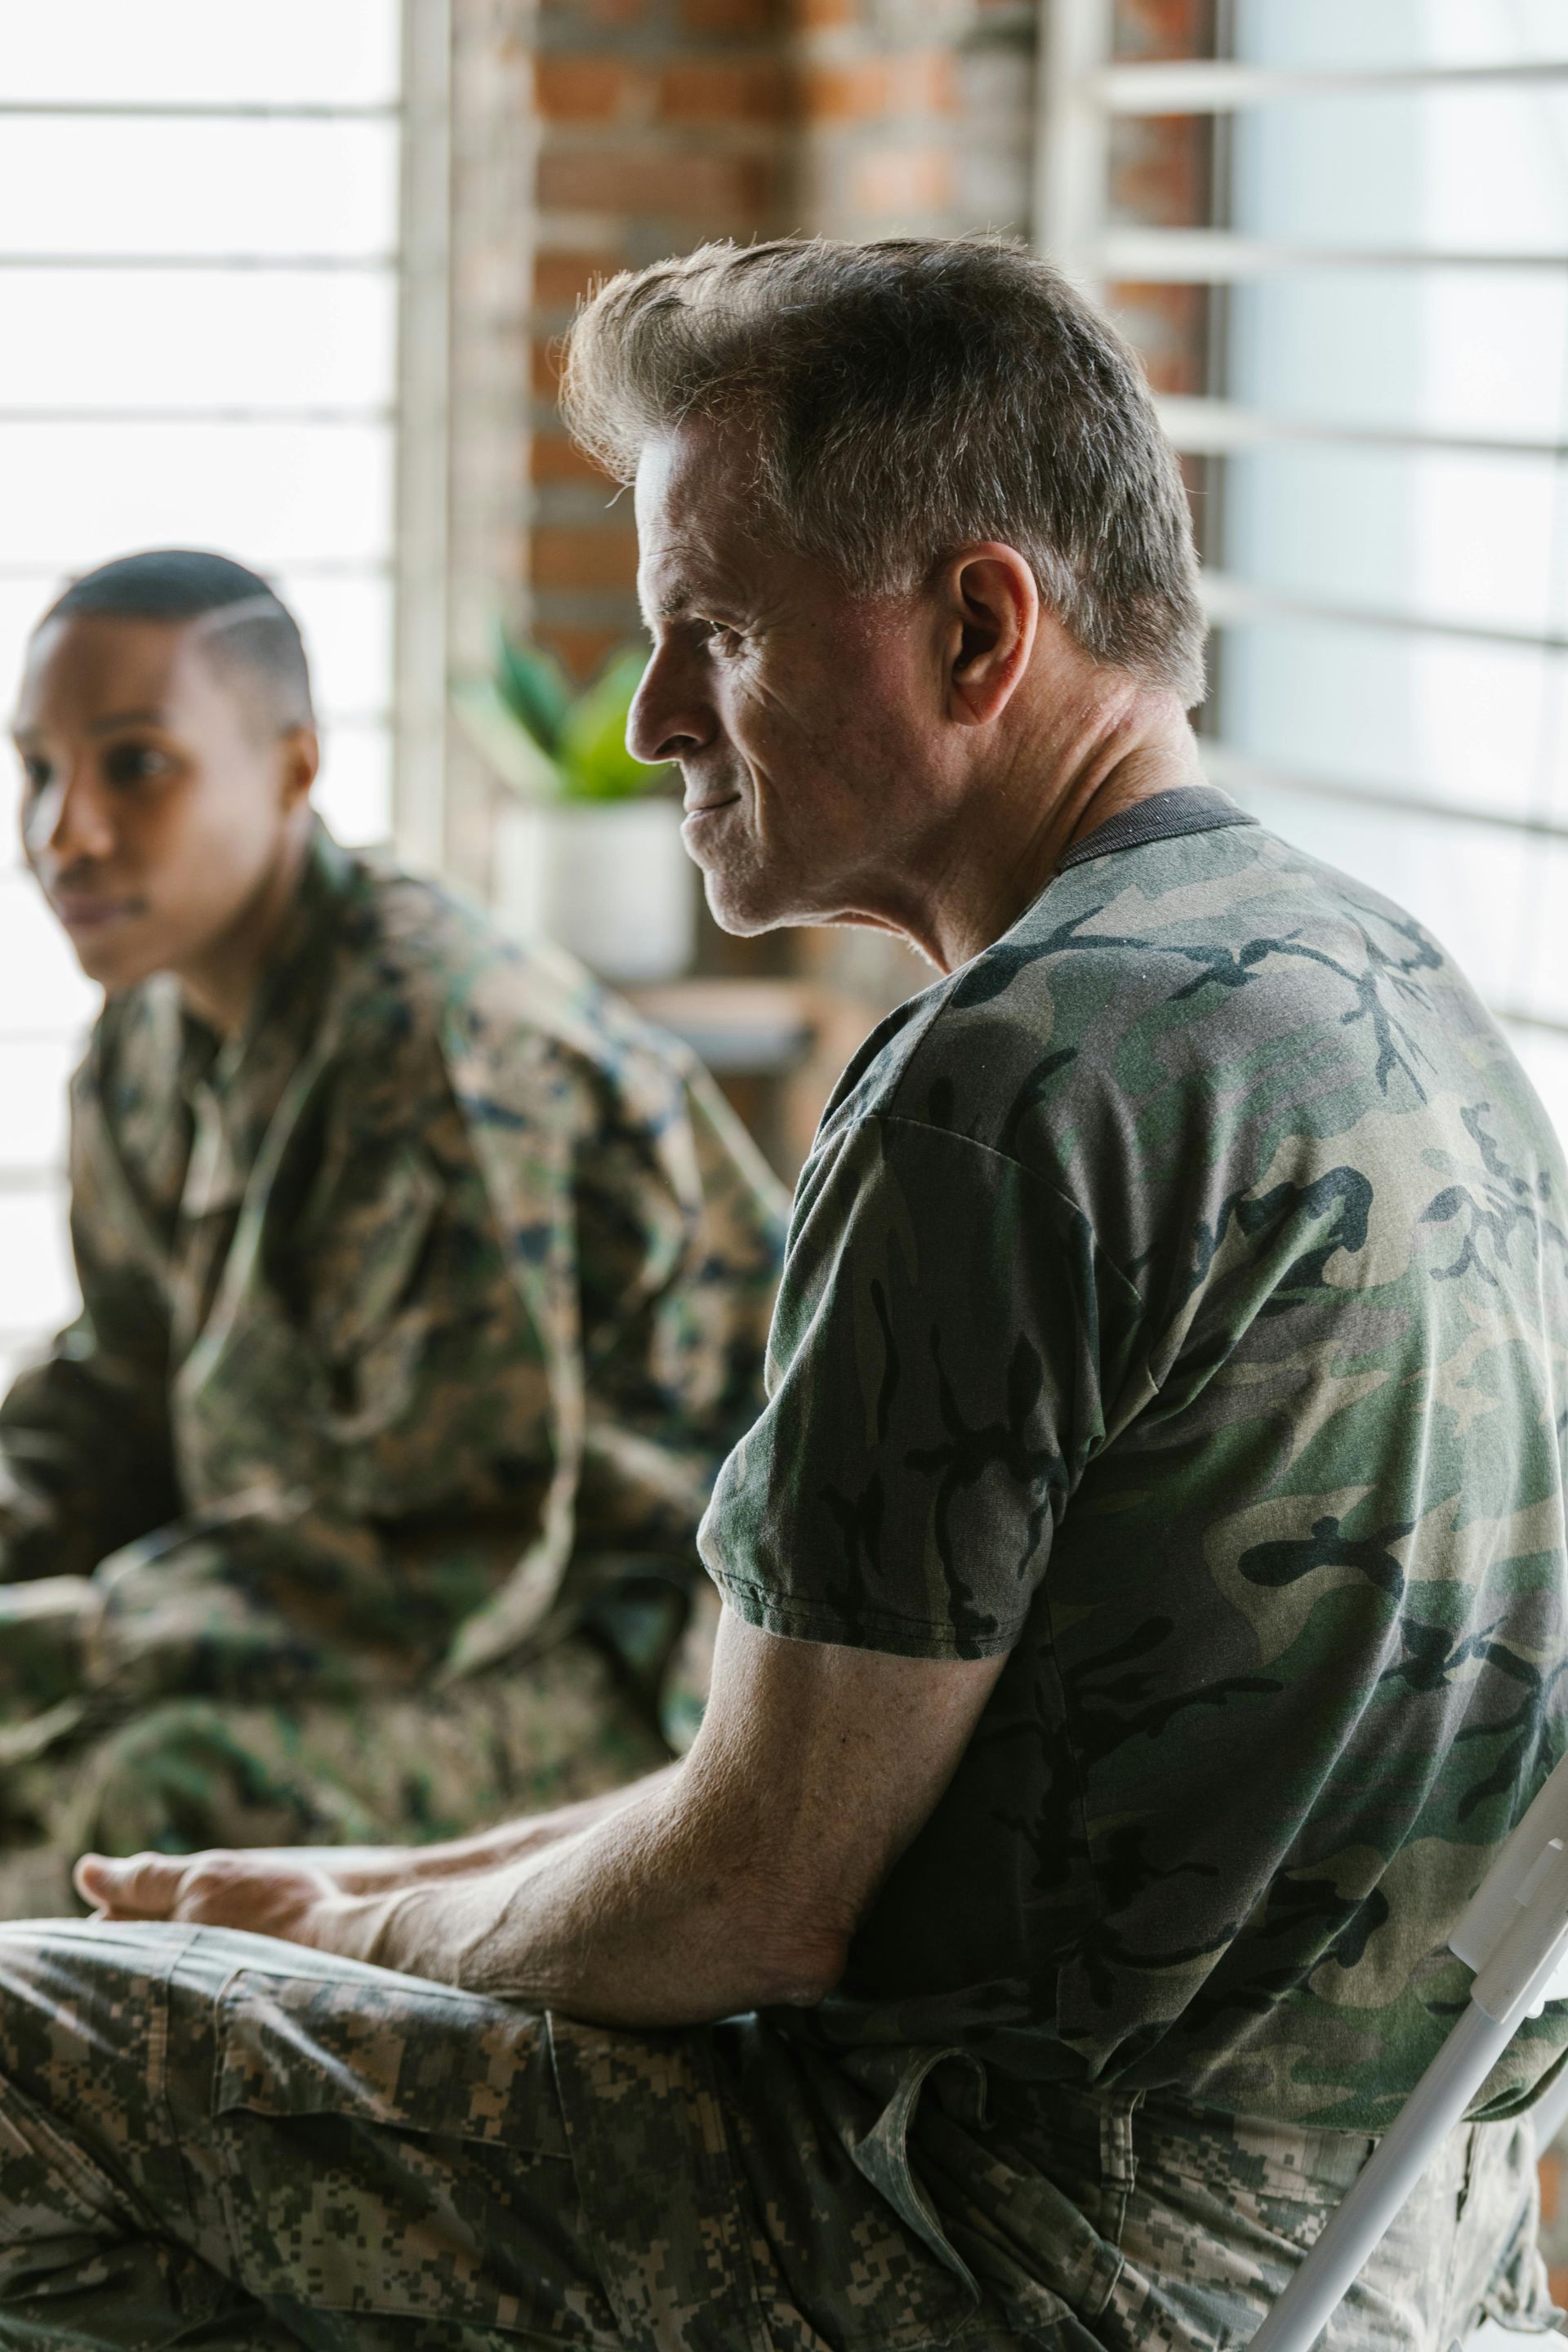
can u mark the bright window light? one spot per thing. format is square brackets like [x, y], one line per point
[124, 341]
[190, 52]
[198, 313]
[1358, 300]
[188, 189]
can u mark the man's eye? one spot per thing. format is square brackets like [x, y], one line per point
[722, 638]
[36, 773]
[134, 763]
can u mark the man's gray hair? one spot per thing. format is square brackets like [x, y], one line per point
[904, 399]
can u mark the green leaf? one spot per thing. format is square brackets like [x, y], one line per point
[592, 749]
[535, 687]
[494, 728]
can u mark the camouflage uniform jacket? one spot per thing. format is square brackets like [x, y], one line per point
[413, 1315]
[1177, 1301]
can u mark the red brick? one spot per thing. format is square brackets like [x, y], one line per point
[848, 94]
[1164, 29]
[1168, 325]
[824, 16]
[716, 191]
[602, 557]
[872, 89]
[926, 79]
[597, 11]
[559, 278]
[732, 16]
[580, 651]
[759, 90]
[1161, 169]
[902, 180]
[581, 90]
[552, 458]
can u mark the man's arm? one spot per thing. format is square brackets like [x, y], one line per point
[86, 1457]
[379, 1869]
[735, 1878]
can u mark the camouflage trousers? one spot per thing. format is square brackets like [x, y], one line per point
[209, 2139]
[396, 1766]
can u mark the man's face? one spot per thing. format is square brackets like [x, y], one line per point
[151, 808]
[804, 719]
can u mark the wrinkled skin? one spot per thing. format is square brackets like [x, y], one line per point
[873, 760]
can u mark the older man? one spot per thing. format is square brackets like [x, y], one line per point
[1143, 1591]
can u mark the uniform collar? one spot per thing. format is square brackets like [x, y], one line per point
[233, 1085]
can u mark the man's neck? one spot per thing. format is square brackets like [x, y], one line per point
[1017, 829]
[219, 987]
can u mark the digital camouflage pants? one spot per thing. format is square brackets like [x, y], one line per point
[209, 2139]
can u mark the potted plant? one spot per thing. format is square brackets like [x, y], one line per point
[588, 850]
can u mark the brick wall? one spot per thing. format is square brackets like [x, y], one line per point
[664, 122]
[1163, 177]
[660, 122]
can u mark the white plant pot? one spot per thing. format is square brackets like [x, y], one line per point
[608, 879]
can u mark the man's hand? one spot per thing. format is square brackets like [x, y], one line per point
[729, 1880]
[304, 1893]
[256, 1892]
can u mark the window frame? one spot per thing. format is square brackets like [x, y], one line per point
[417, 415]
[1081, 91]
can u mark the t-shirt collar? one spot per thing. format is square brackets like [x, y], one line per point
[1185, 808]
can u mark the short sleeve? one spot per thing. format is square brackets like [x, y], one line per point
[936, 1379]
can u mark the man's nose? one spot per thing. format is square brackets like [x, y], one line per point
[69, 821]
[669, 720]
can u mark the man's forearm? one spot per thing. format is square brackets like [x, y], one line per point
[730, 1880]
[651, 1915]
[373, 1870]
[669, 1904]
[85, 1463]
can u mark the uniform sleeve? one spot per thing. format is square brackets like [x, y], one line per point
[945, 1335]
[85, 1462]
[679, 1232]
[643, 1235]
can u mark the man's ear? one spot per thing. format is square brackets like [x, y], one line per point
[993, 611]
[299, 761]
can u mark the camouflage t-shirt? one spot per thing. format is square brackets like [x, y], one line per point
[1177, 1301]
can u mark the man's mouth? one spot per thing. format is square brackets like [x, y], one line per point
[711, 806]
[85, 910]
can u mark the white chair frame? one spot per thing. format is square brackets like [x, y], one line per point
[1514, 1933]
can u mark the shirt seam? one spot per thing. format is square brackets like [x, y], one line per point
[788, 1607]
[923, 1126]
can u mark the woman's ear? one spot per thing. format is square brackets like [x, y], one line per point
[994, 600]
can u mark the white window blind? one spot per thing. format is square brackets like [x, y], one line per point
[199, 309]
[1384, 426]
